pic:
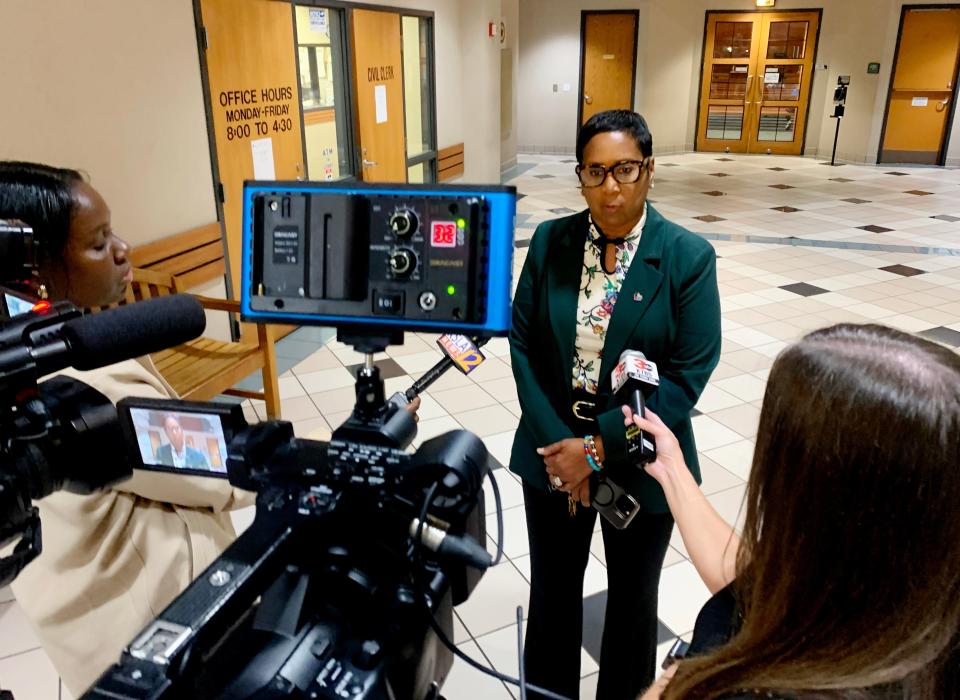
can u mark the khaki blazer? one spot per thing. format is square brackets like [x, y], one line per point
[114, 560]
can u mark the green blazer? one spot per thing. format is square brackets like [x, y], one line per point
[668, 308]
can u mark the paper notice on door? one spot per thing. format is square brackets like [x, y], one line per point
[918, 102]
[263, 159]
[771, 77]
[318, 21]
[380, 97]
[608, 57]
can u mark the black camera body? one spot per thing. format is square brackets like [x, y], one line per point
[42, 429]
[332, 558]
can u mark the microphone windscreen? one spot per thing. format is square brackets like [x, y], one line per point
[133, 330]
[628, 353]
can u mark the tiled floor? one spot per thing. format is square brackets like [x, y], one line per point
[801, 245]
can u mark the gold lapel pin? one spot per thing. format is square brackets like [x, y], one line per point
[638, 297]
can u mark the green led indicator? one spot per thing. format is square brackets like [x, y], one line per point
[451, 290]
[461, 223]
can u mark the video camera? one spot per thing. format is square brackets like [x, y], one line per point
[45, 426]
[344, 584]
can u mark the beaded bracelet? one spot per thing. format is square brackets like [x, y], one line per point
[590, 451]
[595, 452]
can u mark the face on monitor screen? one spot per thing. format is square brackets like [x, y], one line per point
[184, 440]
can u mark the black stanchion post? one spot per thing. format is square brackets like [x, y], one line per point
[836, 135]
[839, 105]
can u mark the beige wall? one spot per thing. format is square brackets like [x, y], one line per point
[126, 106]
[481, 95]
[670, 47]
[509, 77]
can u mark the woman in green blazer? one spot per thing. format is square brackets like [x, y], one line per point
[617, 276]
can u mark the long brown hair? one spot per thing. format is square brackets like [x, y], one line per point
[848, 574]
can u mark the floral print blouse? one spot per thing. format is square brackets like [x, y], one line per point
[598, 296]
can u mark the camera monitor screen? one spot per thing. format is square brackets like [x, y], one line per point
[183, 440]
[14, 303]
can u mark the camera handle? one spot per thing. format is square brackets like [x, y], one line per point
[370, 396]
[373, 420]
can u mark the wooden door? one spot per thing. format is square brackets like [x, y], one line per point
[757, 74]
[923, 87]
[731, 46]
[784, 75]
[378, 87]
[254, 100]
[609, 57]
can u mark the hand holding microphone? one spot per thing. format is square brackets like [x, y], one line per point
[669, 457]
[634, 378]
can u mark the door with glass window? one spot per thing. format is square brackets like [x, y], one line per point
[757, 73]
[418, 98]
[327, 124]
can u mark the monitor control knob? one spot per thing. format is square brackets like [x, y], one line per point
[403, 223]
[403, 262]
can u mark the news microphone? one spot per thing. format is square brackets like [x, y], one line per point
[133, 330]
[402, 398]
[106, 338]
[635, 377]
[462, 549]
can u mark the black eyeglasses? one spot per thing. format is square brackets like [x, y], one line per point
[626, 172]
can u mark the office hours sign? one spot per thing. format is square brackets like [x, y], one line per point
[256, 112]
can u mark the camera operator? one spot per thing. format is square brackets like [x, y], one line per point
[845, 582]
[113, 560]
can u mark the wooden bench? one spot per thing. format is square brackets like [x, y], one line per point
[450, 162]
[202, 368]
[193, 257]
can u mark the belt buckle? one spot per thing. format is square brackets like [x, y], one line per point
[577, 405]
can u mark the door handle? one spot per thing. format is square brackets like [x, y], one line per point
[588, 99]
[368, 163]
[749, 93]
[942, 104]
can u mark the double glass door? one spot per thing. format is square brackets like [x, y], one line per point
[757, 72]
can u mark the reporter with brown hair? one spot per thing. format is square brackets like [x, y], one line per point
[846, 582]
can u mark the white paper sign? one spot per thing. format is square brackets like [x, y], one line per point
[318, 21]
[918, 102]
[380, 97]
[771, 77]
[263, 159]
